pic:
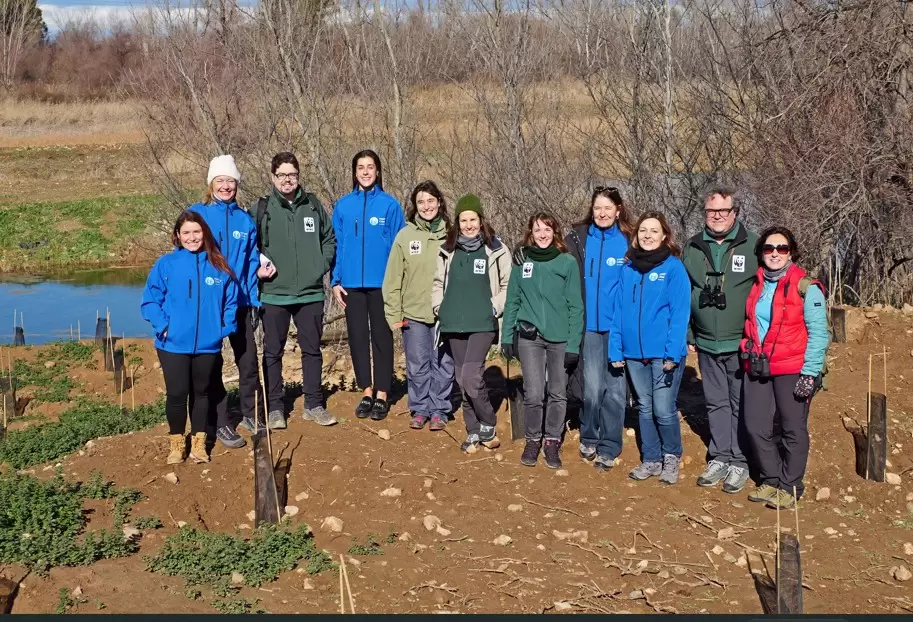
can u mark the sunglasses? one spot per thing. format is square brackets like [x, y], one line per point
[782, 249]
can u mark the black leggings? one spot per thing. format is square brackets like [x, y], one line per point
[187, 375]
[362, 305]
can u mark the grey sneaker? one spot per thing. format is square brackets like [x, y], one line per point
[276, 420]
[735, 480]
[587, 452]
[646, 470]
[472, 440]
[670, 469]
[603, 464]
[319, 415]
[248, 424]
[713, 474]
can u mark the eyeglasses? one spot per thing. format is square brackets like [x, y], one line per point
[286, 176]
[782, 249]
[718, 213]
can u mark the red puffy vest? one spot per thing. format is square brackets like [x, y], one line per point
[786, 338]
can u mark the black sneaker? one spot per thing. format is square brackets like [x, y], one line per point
[363, 410]
[552, 454]
[379, 410]
[229, 437]
[530, 453]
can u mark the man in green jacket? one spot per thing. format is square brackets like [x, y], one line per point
[296, 236]
[722, 266]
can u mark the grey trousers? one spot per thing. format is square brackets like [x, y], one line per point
[722, 380]
[469, 351]
[543, 372]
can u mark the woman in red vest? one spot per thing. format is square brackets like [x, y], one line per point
[783, 354]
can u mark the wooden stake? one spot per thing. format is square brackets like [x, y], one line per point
[71, 332]
[796, 508]
[345, 575]
[342, 602]
[868, 420]
[884, 353]
[778, 551]
[256, 412]
[79, 330]
[133, 387]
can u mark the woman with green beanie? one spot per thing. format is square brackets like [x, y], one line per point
[407, 305]
[543, 327]
[467, 296]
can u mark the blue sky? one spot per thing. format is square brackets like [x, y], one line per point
[58, 12]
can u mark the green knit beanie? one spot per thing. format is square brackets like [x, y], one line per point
[469, 203]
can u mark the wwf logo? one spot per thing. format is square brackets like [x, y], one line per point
[415, 247]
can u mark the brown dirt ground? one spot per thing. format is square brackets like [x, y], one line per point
[639, 536]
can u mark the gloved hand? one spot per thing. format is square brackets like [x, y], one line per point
[570, 360]
[255, 314]
[805, 387]
[509, 350]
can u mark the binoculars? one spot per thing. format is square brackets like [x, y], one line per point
[758, 364]
[712, 298]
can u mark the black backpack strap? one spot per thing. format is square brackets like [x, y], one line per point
[262, 239]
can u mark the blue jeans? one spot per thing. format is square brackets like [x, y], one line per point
[656, 389]
[429, 371]
[604, 393]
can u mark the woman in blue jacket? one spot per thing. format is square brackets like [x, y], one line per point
[236, 236]
[366, 222]
[650, 324]
[599, 243]
[191, 300]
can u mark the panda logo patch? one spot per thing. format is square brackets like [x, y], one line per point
[478, 266]
[415, 247]
[309, 226]
[528, 270]
[738, 263]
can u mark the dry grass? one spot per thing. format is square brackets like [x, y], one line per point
[41, 124]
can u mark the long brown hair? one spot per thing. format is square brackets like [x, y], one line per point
[669, 242]
[549, 221]
[216, 258]
[431, 188]
[488, 234]
[623, 219]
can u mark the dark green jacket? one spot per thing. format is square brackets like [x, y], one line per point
[732, 265]
[298, 238]
[547, 295]
[466, 307]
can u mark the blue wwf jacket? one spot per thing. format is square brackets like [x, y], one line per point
[194, 302]
[602, 264]
[236, 234]
[365, 224]
[651, 313]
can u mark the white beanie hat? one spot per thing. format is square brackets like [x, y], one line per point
[223, 165]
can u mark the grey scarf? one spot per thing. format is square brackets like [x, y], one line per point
[776, 275]
[470, 244]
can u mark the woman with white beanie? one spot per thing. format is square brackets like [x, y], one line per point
[235, 233]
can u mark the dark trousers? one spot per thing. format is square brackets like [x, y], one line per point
[309, 322]
[543, 372]
[189, 379]
[469, 351]
[776, 422]
[365, 322]
[721, 376]
[245, 350]
[604, 392]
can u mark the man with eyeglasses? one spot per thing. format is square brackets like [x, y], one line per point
[296, 239]
[721, 265]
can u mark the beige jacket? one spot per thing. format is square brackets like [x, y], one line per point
[498, 276]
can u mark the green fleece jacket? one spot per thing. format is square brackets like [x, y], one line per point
[410, 271]
[298, 238]
[732, 265]
[546, 294]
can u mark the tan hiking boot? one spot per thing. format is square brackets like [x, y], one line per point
[783, 500]
[762, 494]
[177, 454]
[198, 448]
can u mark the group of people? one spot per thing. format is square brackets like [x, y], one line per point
[615, 303]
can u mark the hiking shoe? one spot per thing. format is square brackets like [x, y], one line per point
[177, 448]
[781, 499]
[469, 445]
[552, 454]
[530, 452]
[713, 474]
[247, 423]
[437, 423]
[603, 464]
[762, 494]
[276, 420]
[488, 437]
[669, 474]
[379, 410]
[229, 437]
[587, 452]
[418, 422]
[363, 410]
[319, 415]
[198, 448]
[646, 470]
[735, 480]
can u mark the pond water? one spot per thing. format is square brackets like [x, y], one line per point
[53, 304]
